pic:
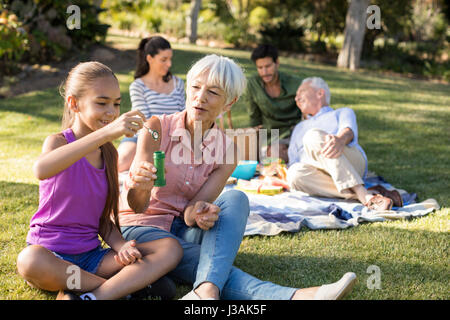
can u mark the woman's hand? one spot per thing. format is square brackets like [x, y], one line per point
[127, 124]
[128, 253]
[142, 176]
[205, 214]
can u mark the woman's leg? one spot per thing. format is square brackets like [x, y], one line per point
[212, 261]
[210, 264]
[42, 269]
[242, 286]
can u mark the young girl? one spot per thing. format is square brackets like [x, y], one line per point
[79, 196]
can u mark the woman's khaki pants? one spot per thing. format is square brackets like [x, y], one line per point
[324, 177]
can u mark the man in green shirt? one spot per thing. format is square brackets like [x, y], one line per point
[270, 96]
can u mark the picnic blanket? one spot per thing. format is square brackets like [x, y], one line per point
[289, 211]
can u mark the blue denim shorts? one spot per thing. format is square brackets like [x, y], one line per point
[88, 261]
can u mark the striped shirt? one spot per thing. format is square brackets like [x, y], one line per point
[151, 103]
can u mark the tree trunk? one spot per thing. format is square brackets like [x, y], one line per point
[191, 23]
[355, 27]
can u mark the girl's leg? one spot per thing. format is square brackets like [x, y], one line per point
[158, 258]
[42, 269]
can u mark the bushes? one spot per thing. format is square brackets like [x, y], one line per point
[147, 16]
[13, 41]
[284, 36]
[37, 31]
[413, 58]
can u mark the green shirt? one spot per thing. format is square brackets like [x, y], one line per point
[273, 113]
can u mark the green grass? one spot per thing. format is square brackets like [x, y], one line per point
[403, 127]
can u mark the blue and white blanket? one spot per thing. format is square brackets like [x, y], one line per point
[289, 211]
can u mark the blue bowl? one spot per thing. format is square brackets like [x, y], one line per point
[245, 170]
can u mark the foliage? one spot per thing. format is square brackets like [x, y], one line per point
[283, 35]
[210, 26]
[292, 25]
[412, 38]
[416, 58]
[44, 23]
[147, 16]
[258, 16]
[13, 41]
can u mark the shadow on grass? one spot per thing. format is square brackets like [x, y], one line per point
[45, 104]
[411, 156]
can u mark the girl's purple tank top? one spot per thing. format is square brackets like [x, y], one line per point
[70, 206]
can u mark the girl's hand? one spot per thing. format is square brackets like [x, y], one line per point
[127, 124]
[206, 214]
[142, 176]
[128, 254]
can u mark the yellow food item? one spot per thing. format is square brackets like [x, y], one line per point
[258, 186]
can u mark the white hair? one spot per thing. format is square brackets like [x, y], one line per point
[223, 72]
[319, 83]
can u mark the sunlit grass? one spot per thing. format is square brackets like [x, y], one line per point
[403, 127]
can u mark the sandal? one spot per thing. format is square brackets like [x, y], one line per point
[394, 195]
[337, 290]
[379, 203]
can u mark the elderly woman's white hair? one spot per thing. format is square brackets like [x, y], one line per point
[223, 72]
[319, 83]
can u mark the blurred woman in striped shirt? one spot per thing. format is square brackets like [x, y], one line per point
[155, 91]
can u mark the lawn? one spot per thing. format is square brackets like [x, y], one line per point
[403, 127]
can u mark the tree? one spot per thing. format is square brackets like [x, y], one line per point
[355, 28]
[191, 25]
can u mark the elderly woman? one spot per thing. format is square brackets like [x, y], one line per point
[191, 207]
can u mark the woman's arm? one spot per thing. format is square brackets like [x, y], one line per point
[138, 196]
[208, 193]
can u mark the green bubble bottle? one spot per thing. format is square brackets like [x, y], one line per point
[158, 162]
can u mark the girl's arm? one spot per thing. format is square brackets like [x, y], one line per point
[57, 155]
[138, 197]
[126, 250]
[113, 238]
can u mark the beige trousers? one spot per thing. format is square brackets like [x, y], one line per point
[324, 177]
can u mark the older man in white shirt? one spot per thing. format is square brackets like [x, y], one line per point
[325, 158]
